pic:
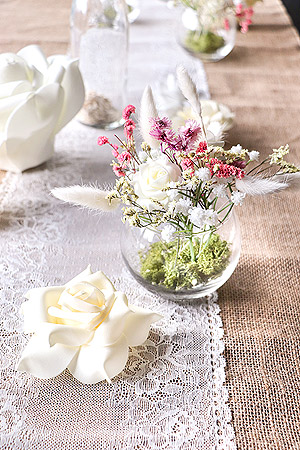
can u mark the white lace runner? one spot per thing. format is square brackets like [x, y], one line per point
[171, 394]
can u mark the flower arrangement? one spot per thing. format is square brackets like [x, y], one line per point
[181, 191]
[210, 20]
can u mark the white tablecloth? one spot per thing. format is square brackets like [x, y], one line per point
[171, 393]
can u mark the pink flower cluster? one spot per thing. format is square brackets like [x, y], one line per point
[223, 170]
[184, 141]
[244, 16]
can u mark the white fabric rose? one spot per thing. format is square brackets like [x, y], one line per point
[38, 97]
[217, 119]
[85, 326]
[150, 180]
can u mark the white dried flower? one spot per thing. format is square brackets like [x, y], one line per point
[182, 206]
[254, 155]
[203, 174]
[167, 233]
[237, 198]
[236, 149]
[210, 217]
[220, 191]
[196, 216]
[142, 156]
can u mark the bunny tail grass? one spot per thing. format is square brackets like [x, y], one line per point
[189, 90]
[260, 186]
[87, 196]
[147, 110]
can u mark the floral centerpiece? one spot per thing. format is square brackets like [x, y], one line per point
[179, 195]
[208, 26]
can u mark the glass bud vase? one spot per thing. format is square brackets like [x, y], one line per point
[99, 38]
[182, 268]
[207, 33]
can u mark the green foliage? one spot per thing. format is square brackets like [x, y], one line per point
[208, 42]
[171, 265]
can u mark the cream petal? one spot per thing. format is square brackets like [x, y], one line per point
[76, 317]
[30, 127]
[35, 310]
[138, 325]
[44, 361]
[64, 334]
[8, 105]
[34, 56]
[112, 327]
[73, 86]
[13, 68]
[14, 88]
[93, 364]
[55, 74]
[99, 280]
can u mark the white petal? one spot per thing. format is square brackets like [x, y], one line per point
[30, 127]
[54, 74]
[13, 68]
[100, 280]
[35, 310]
[138, 325]
[8, 105]
[64, 334]
[110, 330]
[73, 86]
[44, 361]
[93, 364]
[14, 88]
[34, 56]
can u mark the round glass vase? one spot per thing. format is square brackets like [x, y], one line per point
[99, 38]
[205, 34]
[182, 269]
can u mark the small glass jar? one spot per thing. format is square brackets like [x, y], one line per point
[183, 268]
[99, 38]
[207, 33]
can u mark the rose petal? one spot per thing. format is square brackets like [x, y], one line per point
[8, 105]
[36, 309]
[81, 277]
[14, 88]
[99, 280]
[93, 364]
[44, 361]
[73, 86]
[34, 56]
[64, 334]
[138, 325]
[112, 327]
[30, 127]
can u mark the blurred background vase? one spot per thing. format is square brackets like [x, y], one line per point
[99, 38]
[133, 10]
[207, 32]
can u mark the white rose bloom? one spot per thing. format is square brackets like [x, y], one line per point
[38, 97]
[85, 326]
[150, 180]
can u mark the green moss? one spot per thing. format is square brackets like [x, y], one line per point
[165, 265]
[203, 43]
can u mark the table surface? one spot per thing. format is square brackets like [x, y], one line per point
[260, 82]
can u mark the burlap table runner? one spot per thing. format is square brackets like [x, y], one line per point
[260, 82]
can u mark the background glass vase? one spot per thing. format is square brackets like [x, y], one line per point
[99, 38]
[170, 269]
[207, 33]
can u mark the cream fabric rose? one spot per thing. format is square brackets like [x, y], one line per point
[38, 97]
[150, 180]
[85, 326]
[217, 119]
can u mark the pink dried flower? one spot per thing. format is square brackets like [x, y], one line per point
[188, 135]
[202, 147]
[129, 128]
[162, 131]
[115, 153]
[187, 164]
[226, 24]
[130, 109]
[118, 171]
[223, 170]
[102, 140]
[124, 158]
